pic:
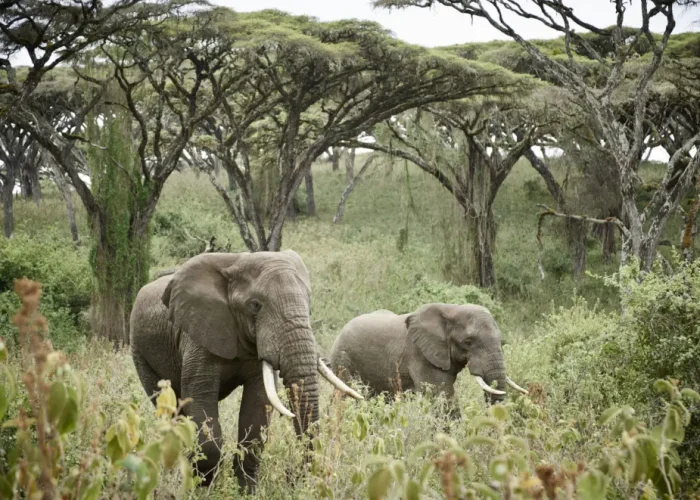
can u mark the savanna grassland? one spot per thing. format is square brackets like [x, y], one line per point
[395, 248]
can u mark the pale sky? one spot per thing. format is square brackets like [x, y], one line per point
[442, 25]
[445, 26]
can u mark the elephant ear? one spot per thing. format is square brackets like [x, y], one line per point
[197, 302]
[427, 328]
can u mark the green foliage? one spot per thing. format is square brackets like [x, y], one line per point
[62, 269]
[67, 290]
[48, 406]
[119, 256]
[425, 291]
[641, 459]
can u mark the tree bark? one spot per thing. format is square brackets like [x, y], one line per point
[8, 202]
[350, 165]
[310, 200]
[482, 231]
[479, 212]
[63, 187]
[335, 158]
[346, 194]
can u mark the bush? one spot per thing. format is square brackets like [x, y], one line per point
[426, 291]
[63, 270]
[663, 312]
[48, 406]
[67, 291]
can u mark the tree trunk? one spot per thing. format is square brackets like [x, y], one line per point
[310, 200]
[479, 211]
[482, 235]
[335, 158]
[577, 241]
[35, 183]
[350, 165]
[292, 209]
[122, 269]
[8, 203]
[346, 194]
[62, 186]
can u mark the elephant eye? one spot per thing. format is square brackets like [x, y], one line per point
[254, 305]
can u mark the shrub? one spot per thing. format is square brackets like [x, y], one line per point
[49, 406]
[426, 291]
[63, 270]
[67, 290]
[663, 312]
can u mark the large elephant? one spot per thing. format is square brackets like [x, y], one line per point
[392, 353]
[227, 320]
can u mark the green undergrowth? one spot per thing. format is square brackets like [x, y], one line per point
[577, 348]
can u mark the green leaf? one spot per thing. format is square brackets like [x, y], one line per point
[4, 401]
[153, 452]
[662, 386]
[58, 395]
[690, 394]
[486, 490]
[357, 477]
[170, 446]
[673, 425]
[499, 412]
[187, 476]
[593, 485]
[421, 449]
[69, 417]
[609, 414]
[517, 442]
[398, 470]
[186, 430]
[425, 472]
[3, 352]
[498, 468]
[379, 484]
[479, 422]
[481, 440]
[412, 490]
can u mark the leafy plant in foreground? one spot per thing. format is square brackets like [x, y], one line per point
[642, 463]
[50, 398]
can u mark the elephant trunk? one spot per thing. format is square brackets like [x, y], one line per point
[491, 367]
[299, 369]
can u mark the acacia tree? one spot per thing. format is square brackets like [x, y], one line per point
[317, 84]
[53, 32]
[158, 80]
[624, 136]
[470, 146]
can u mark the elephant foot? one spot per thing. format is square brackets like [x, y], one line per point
[246, 476]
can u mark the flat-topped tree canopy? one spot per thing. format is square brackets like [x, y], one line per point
[317, 83]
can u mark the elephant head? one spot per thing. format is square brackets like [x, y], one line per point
[454, 336]
[250, 305]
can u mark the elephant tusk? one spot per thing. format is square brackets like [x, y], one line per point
[335, 381]
[271, 390]
[515, 386]
[487, 388]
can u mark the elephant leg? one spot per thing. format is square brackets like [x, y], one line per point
[200, 384]
[148, 377]
[254, 415]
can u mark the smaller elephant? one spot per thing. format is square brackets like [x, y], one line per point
[391, 353]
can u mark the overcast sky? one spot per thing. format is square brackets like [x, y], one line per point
[442, 25]
[445, 26]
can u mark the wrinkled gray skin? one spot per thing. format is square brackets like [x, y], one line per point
[208, 327]
[392, 353]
